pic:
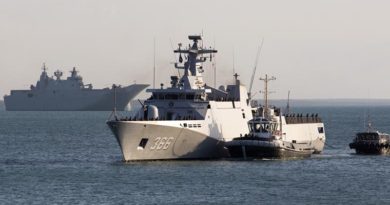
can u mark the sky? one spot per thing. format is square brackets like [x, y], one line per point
[316, 49]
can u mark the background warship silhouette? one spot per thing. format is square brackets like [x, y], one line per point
[71, 94]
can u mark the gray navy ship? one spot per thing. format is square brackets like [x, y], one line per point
[187, 120]
[71, 94]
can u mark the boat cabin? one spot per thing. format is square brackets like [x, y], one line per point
[372, 136]
[262, 127]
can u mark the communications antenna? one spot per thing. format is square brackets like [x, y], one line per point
[266, 80]
[154, 63]
[288, 103]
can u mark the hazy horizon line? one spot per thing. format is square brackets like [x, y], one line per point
[278, 99]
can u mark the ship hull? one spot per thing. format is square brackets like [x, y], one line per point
[69, 100]
[147, 140]
[318, 145]
[371, 148]
[254, 149]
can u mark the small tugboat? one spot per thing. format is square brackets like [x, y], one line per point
[265, 140]
[274, 135]
[371, 142]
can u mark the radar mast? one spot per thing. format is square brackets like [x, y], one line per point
[58, 74]
[44, 67]
[266, 92]
[193, 69]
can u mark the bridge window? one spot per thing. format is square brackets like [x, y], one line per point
[262, 127]
[171, 97]
[190, 97]
[182, 96]
[255, 127]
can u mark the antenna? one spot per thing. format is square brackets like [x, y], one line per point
[113, 113]
[254, 69]
[288, 103]
[58, 74]
[174, 57]
[215, 68]
[201, 42]
[215, 72]
[44, 67]
[364, 118]
[369, 124]
[280, 125]
[154, 63]
[266, 80]
[114, 87]
[234, 69]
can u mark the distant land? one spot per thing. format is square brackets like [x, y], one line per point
[302, 103]
[330, 102]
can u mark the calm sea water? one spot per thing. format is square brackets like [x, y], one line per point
[72, 158]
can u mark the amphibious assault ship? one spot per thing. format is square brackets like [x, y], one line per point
[277, 135]
[71, 94]
[189, 119]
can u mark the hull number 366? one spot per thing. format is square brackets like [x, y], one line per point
[162, 143]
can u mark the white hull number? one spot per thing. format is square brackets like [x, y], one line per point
[162, 143]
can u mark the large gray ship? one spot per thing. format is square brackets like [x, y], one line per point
[71, 94]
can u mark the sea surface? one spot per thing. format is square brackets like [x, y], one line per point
[72, 158]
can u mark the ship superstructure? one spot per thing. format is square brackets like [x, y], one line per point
[189, 119]
[70, 94]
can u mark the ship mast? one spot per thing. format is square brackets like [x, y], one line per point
[115, 99]
[44, 67]
[266, 80]
[44, 73]
[369, 124]
[154, 63]
[192, 69]
[288, 103]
